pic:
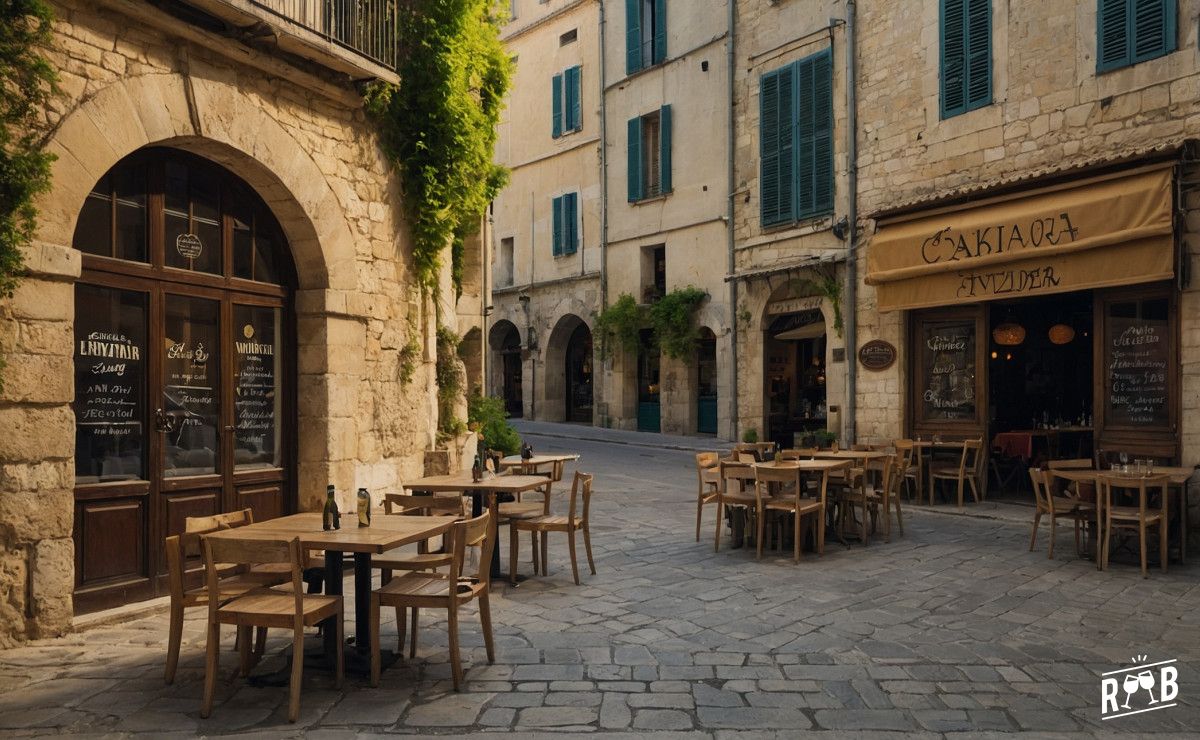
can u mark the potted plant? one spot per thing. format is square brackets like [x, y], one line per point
[750, 436]
[825, 439]
[807, 440]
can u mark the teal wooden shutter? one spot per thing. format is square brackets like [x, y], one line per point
[557, 238]
[1153, 28]
[776, 145]
[979, 53]
[574, 120]
[1112, 35]
[556, 97]
[966, 61]
[660, 31]
[821, 176]
[635, 159]
[633, 36]
[571, 223]
[664, 149]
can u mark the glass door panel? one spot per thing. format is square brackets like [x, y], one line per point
[110, 385]
[257, 392]
[191, 397]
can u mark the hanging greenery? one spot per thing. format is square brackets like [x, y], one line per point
[673, 318]
[449, 376]
[620, 325]
[438, 125]
[828, 286]
[27, 82]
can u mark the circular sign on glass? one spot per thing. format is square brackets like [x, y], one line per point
[877, 355]
[188, 246]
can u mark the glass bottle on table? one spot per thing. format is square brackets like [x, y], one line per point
[364, 507]
[330, 518]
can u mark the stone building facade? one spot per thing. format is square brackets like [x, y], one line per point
[275, 119]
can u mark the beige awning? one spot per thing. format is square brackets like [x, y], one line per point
[1103, 231]
[808, 331]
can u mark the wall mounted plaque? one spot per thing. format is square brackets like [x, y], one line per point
[188, 246]
[877, 355]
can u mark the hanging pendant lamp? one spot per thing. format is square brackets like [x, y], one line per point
[1061, 333]
[1009, 333]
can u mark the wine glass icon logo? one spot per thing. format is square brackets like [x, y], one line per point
[1130, 685]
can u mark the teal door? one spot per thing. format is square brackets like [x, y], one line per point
[706, 383]
[649, 418]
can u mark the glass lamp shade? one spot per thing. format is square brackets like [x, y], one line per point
[1061, 334]
[1009, 334]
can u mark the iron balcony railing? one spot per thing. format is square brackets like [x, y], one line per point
[366, 27]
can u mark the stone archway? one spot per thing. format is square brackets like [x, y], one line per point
[568, 372]
[504, 343]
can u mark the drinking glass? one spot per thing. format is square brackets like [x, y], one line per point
[937, 438]
[1149, 466]
[1124, 458]
[1114, 467]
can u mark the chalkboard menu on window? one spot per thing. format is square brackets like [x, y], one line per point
[1138, 362]
[191, 363]
[948, 363]
[110, 385]
[256, 395]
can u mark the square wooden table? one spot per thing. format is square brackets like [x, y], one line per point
[385, 533]
[479, 491]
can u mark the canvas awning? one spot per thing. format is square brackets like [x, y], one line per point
[808, 331]
[1103, 231]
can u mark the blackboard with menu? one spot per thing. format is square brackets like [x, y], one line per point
[1138, 372]
[948, 364]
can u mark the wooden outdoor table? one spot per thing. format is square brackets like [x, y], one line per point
[479, 491]
[824, 467]
[1178, 476]
[385, 533]
[536, 463]
[854, 455]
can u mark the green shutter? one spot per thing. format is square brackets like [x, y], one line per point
[1112, 34]
[776, 146]
[1153, 28]
[571, 222]
[556, 239]
[660, 30]
[635, 159]
[633, 36]
[979, 53]
[822, 126]
[664, 149]
[966, 55]
[556, 97]
[574, 121]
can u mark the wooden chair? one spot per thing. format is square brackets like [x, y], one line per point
[907, 468]
[883, 495]
[541, 526]
[449, 591]
[1082, 491]
[264, 607]
[708, 477]
[398, 504]
[967, 471]
[1055, 506]
[741, 473]
[850, 492]
[236, 578]
[789, 499]
[1135, 518]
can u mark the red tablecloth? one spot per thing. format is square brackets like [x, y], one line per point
[1014, 444]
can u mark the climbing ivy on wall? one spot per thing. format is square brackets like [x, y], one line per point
[27, 81]
[438, 125]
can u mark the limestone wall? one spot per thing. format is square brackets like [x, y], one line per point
[303, 142]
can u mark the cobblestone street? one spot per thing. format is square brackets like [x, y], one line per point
[954, 627]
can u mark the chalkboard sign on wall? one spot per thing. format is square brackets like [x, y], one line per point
[947, 354]
[1137, 345]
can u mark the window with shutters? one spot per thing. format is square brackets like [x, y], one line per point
[645, 33]
[565, 228]
[566, 102]
[650, 155]
[1132, 31]
[966, 62]
[796, 141]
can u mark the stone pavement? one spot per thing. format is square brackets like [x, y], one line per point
[954, 629]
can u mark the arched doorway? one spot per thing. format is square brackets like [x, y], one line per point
[706, 382]
[184, 366]
[794, 369]
[579, 375]
[506, 342]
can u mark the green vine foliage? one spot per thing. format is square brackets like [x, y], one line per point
[449, 376]
[673, 318]
[438, 125]
[620, 325]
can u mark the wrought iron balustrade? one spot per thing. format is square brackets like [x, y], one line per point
[366, 27]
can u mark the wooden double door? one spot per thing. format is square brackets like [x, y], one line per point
[181, 410]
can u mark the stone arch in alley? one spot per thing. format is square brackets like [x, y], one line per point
[569, 372]
[470, 351]
[504, 347]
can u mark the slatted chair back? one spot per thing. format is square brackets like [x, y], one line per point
[475, 532]
[705, 461]
[404, 504]
[1080, 463]
[1041, 489]
[214, 522]
[1142, 484]
[971, 462]
[252, 551]
[581, 487]
[767, 476]
[905, 450]
[735, 470]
